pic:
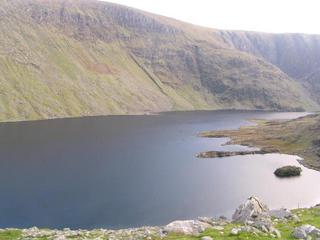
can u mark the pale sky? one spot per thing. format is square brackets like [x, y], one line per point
[257, 15]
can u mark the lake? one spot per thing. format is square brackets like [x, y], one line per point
[127, 171]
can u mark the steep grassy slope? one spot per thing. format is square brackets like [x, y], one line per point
[78, 58]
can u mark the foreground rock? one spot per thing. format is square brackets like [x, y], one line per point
[252, 210]
[284, 214]
[306, 232]
[188, 227]
[288, 171]
[255, 214]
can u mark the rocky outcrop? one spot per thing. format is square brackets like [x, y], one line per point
[255, 214]
[251, 210]
[219, 154]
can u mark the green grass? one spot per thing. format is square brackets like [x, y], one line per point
[10, 235]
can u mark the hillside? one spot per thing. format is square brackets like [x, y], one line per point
[298, 55]
[68, 58]
[312, 83]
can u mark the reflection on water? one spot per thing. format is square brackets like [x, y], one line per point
[125, 171]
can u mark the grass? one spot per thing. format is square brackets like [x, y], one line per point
[297, 137]
[10, 235]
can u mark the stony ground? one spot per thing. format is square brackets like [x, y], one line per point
[252, 220]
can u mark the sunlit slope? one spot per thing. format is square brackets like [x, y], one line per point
[80, 58]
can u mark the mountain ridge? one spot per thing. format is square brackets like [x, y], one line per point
[82, 58]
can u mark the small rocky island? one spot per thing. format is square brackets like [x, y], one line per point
[251, 220]
[219, 154]
[288, 171]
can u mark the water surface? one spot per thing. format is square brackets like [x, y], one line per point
[125, 171]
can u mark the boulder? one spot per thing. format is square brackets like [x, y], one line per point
[235, 231]
[304, 231]
[206, 238]
[218, 228]
[251, 210]
[207, 220]
[254, 213]
[284, 214]
[281, 213]
[188, 227]
[288, 171]
[299, 233]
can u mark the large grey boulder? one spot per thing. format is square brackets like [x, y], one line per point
[304, 231]
[206, 238]
[188, 227]
[254, 213]
[283, 214]
[251, 210]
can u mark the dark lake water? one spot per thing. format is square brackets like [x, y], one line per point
[125, 171]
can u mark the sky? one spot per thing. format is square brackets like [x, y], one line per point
[277, 16]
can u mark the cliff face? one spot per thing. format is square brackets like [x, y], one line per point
[297, 55]
[77, 58]
[312, 84]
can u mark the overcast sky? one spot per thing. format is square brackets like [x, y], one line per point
[257, 15]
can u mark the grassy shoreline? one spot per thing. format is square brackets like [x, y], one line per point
[299, 136]
[286, 227]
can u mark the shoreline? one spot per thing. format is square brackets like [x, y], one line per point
[252, 220]
[298, 137]
[8, 121]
